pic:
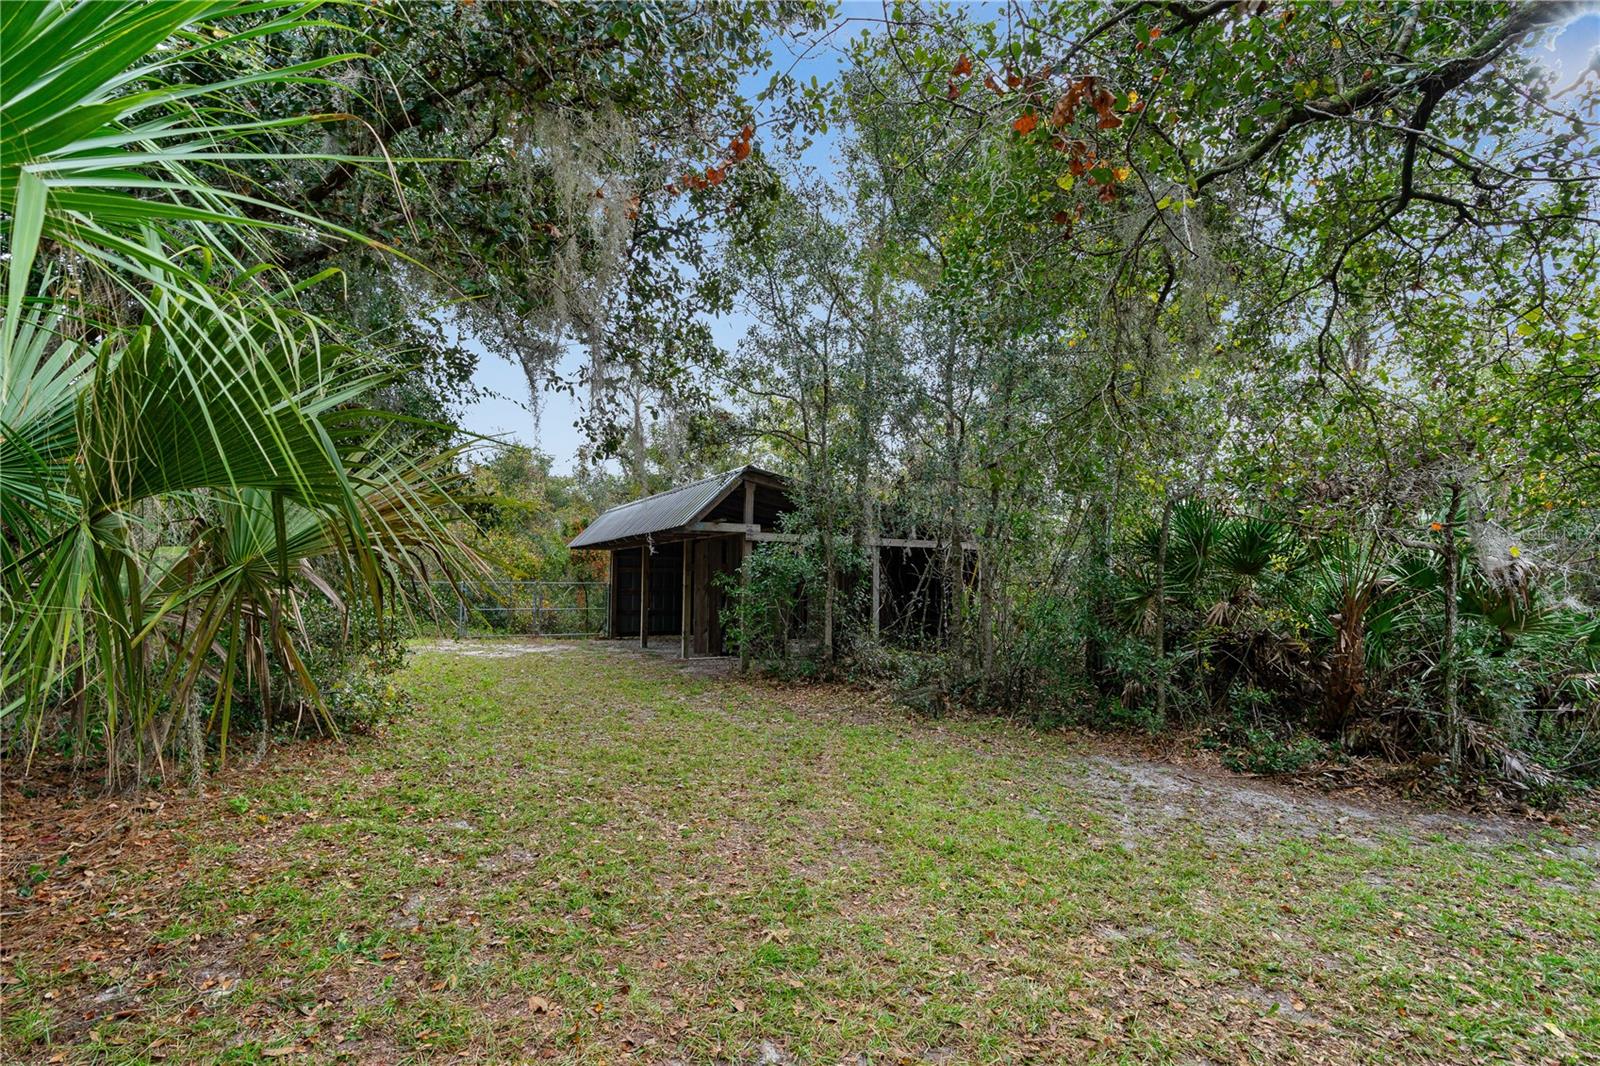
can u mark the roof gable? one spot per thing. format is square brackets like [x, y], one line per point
[665, 511]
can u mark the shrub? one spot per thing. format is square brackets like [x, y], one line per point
[1267, 753]
[350, 659]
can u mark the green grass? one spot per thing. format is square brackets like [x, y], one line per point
[591, 858]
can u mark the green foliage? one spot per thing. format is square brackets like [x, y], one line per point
[352, 658]
[522, 515]
[1292, 277]
[768, 607]
[1255, 739]
[1261, 752]
[185, 453]
[1269, 622]
[528, 158]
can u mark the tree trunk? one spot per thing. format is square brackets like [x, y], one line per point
[1447, 654]
[951, 562]
[1161, 607]
[1101, 609]
[195, 742]
[1347, 677]
[830, 581]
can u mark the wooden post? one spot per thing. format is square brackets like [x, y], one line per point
[744, 603]
[683, 630]
[611, 593]
[644, 595]
[745, 547]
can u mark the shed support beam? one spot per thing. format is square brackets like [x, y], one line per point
[744, 604]
[644, 595]
[611, 594]
[755, 532]
[683, 630]
[744, 575]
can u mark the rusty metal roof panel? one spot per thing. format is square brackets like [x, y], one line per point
[659, 513]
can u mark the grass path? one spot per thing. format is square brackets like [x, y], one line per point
[582, 856]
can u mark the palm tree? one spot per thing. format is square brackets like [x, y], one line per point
[154, 365]
[245, 580]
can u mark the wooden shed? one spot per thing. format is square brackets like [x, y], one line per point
[667, 550]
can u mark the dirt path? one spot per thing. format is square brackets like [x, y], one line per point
[1150, 797]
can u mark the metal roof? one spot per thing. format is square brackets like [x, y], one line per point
[662, 512]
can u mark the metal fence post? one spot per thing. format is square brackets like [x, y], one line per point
[461, 611]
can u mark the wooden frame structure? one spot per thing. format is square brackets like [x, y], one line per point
[668, 551]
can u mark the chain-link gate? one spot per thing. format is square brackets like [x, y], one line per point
[524, 608]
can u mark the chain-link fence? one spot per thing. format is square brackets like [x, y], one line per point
[522, 608]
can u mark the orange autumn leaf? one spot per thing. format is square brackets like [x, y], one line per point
[1109, 122]
[952, 90]
[962, 68]
[992, 85]
[1064, 110]
[1026, 123]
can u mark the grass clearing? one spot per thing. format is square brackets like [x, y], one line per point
[586, 856]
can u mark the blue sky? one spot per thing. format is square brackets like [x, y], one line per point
[505, 409]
